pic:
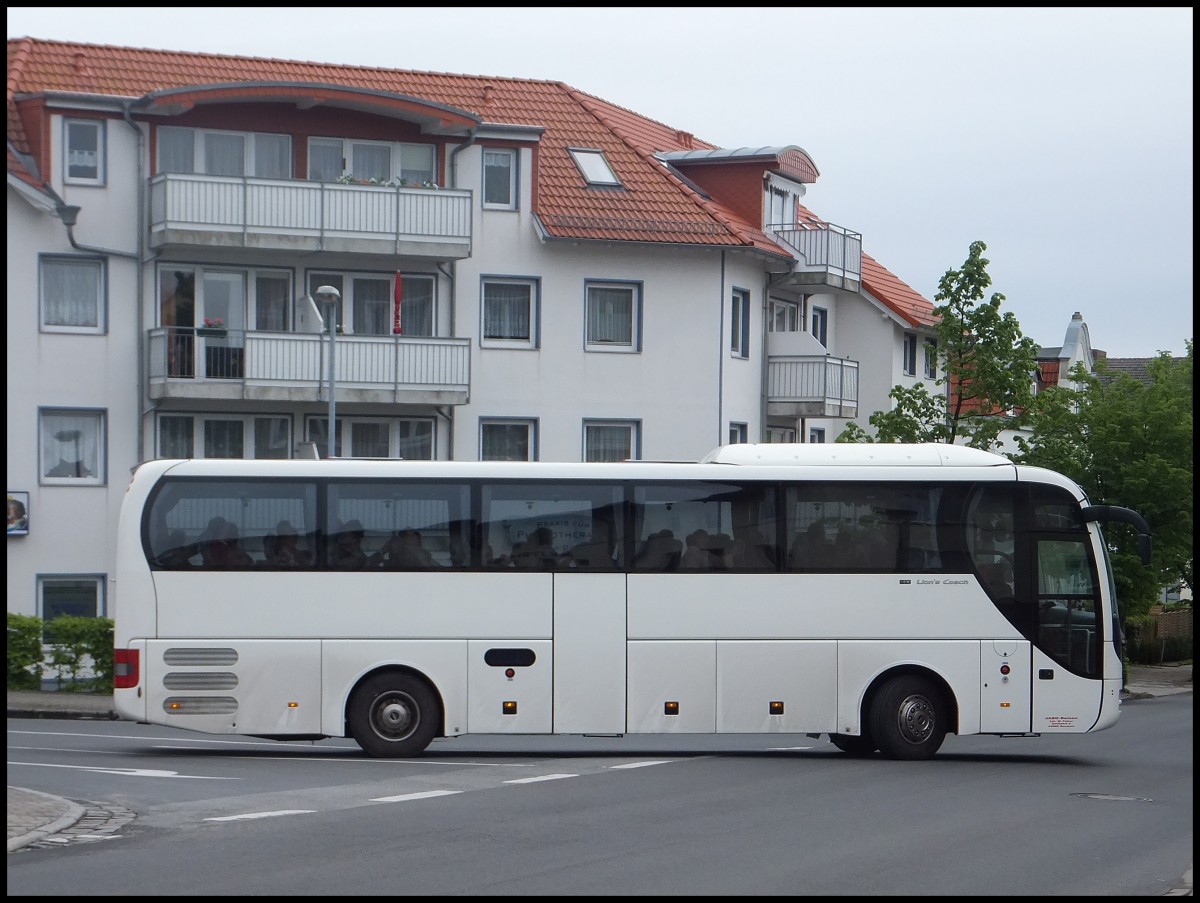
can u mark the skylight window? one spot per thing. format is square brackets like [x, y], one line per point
[594, 166]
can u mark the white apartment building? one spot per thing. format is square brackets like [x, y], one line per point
[522, 270]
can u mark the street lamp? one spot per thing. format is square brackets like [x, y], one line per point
[329, 298]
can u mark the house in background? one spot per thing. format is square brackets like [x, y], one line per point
[516, 270]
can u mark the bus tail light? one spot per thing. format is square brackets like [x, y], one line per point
[125, 669]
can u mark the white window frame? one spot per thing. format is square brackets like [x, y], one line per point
[931, 359]
[89, 448]
[531, 435]
[908, 358]
[44, 581]
[739, 324]
[69, 153]
[251, 424]
[785, 316]
[634, 345]
[739, 433]
[820, 325]
[632, 429]
[100, 302]
[316, 426]
[530, 339]
[346, 282]
[399, 154]
[816, 435]
[249, 151]
[594, 167]
[492, 178]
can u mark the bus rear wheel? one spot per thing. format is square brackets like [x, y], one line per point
[392, 716]
[861, 745]
[908, 718]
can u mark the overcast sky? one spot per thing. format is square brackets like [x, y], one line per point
[1061, 138]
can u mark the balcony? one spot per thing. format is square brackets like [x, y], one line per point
[801, 385]
[829, 257]
[237, 364]
[295, 215]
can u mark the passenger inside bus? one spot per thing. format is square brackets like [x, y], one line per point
[404, 550]
[348, 554]
[537, 551]
[220, 547]
[660, 552]
[283, 548]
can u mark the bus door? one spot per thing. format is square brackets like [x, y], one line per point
[1068, 689]
[589, 653]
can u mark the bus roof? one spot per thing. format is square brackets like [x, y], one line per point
[927, 454]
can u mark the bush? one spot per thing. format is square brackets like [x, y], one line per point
[24, 652]
[79, 645]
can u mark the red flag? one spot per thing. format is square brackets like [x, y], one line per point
[397, 329]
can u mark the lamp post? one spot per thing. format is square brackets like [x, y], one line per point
[329, 298]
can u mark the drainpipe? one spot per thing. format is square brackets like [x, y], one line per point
[766, 337]
[722, 350]
[452, 277]
[142, 389]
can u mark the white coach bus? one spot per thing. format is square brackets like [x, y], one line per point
[885, 595]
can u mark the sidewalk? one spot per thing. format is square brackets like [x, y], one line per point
[33, 816]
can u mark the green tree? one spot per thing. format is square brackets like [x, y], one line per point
[1127, 443]
[984, 360]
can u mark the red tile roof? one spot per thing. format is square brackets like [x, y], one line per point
[654, 205]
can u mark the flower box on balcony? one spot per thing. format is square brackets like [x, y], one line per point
[211, 332]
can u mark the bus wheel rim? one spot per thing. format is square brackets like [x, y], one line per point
[916, 719]
[395, 717]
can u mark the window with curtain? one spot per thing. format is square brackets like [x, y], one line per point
[224, 439]
[609, 441]
[416, 306]
[415, 442]
[271, 302]
[176, 437]
[499, 178]
[508, 313]
[273, 437]
[273, 156]
[71, 294]
[416, 163]
[371, 161]
[611, 317]
[369, 439]
[224, 154]
[931, 359]
[83, 146]
[506, 440]
[372, 306]
[72, 446]
[176, 149]
[325, 162]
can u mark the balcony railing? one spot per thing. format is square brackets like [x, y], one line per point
[828, 254]
[812, 386]
[285, 366]
[297, 215]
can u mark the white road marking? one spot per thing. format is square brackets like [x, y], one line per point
[405, 797]
[250, 815]
[641, 764]
[542, 777]
[131, 772]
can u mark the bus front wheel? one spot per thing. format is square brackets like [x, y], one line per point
[393, 715]
[908, 718]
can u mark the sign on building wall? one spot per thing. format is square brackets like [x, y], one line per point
[18, 513]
